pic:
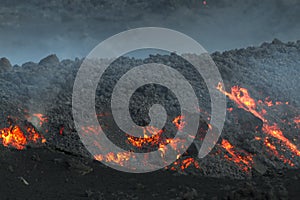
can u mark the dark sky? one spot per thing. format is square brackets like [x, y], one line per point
[30, 30]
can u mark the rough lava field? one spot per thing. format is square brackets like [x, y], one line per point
[256, 157]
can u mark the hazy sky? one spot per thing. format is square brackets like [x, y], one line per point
[30, 30]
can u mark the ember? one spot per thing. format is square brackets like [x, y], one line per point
[61, 130]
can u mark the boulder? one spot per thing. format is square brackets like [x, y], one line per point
[50, 60]
[5, 65]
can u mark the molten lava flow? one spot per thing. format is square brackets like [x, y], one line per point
[119, 158]
[34, 135]
[13, 136]
[156, 140]
[179, 122]
[277, 133]
[187, 162]
[274, 151]
[242, 98]
[245, 162]
[153, 136]
[147, 140]
[183, 164]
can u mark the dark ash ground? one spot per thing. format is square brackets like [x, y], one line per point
[55, 175]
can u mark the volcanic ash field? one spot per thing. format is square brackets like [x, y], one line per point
[259, 139]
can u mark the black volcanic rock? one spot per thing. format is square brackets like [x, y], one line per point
[49, 60]
[277, 41]
[271, 70]
[4, 65]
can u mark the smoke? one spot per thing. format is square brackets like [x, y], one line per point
[31, 30]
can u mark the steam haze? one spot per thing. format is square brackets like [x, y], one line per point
[31, 30]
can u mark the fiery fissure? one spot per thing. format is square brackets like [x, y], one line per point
[243, 99]
[13, 136]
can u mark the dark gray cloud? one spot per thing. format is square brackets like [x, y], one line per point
[33, 29]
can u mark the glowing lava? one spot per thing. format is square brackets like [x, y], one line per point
[153, 138]
[13, 136]
[242, 98]
[179, 122]
[119, 158]
[40, 118]
[273, 150]
[183, 164]
[245, 162]
[297, 120]
[147, 140]
[61, 130]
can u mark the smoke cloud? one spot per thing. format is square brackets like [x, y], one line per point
[31, 30]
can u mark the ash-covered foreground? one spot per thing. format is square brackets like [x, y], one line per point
[260, 134]
[45, 174]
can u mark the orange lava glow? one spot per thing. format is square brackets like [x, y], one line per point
[61, 130]
[153, 136]
[41, 117]
[34, 135]
[184, 164]
[297, 120]
[257, 138]
[13, 136]
[179, 122]
[242, 98]
[90, 130]
[245, 162]
[275, 132]
[230, 109]
[274, 152]
[268, 102]
[153, 140]
[119, 158]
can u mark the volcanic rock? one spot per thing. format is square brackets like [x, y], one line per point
[5, 65]
[277, 41]
[50, 60]
[271, 70]
[259, 167]
[190, 195]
